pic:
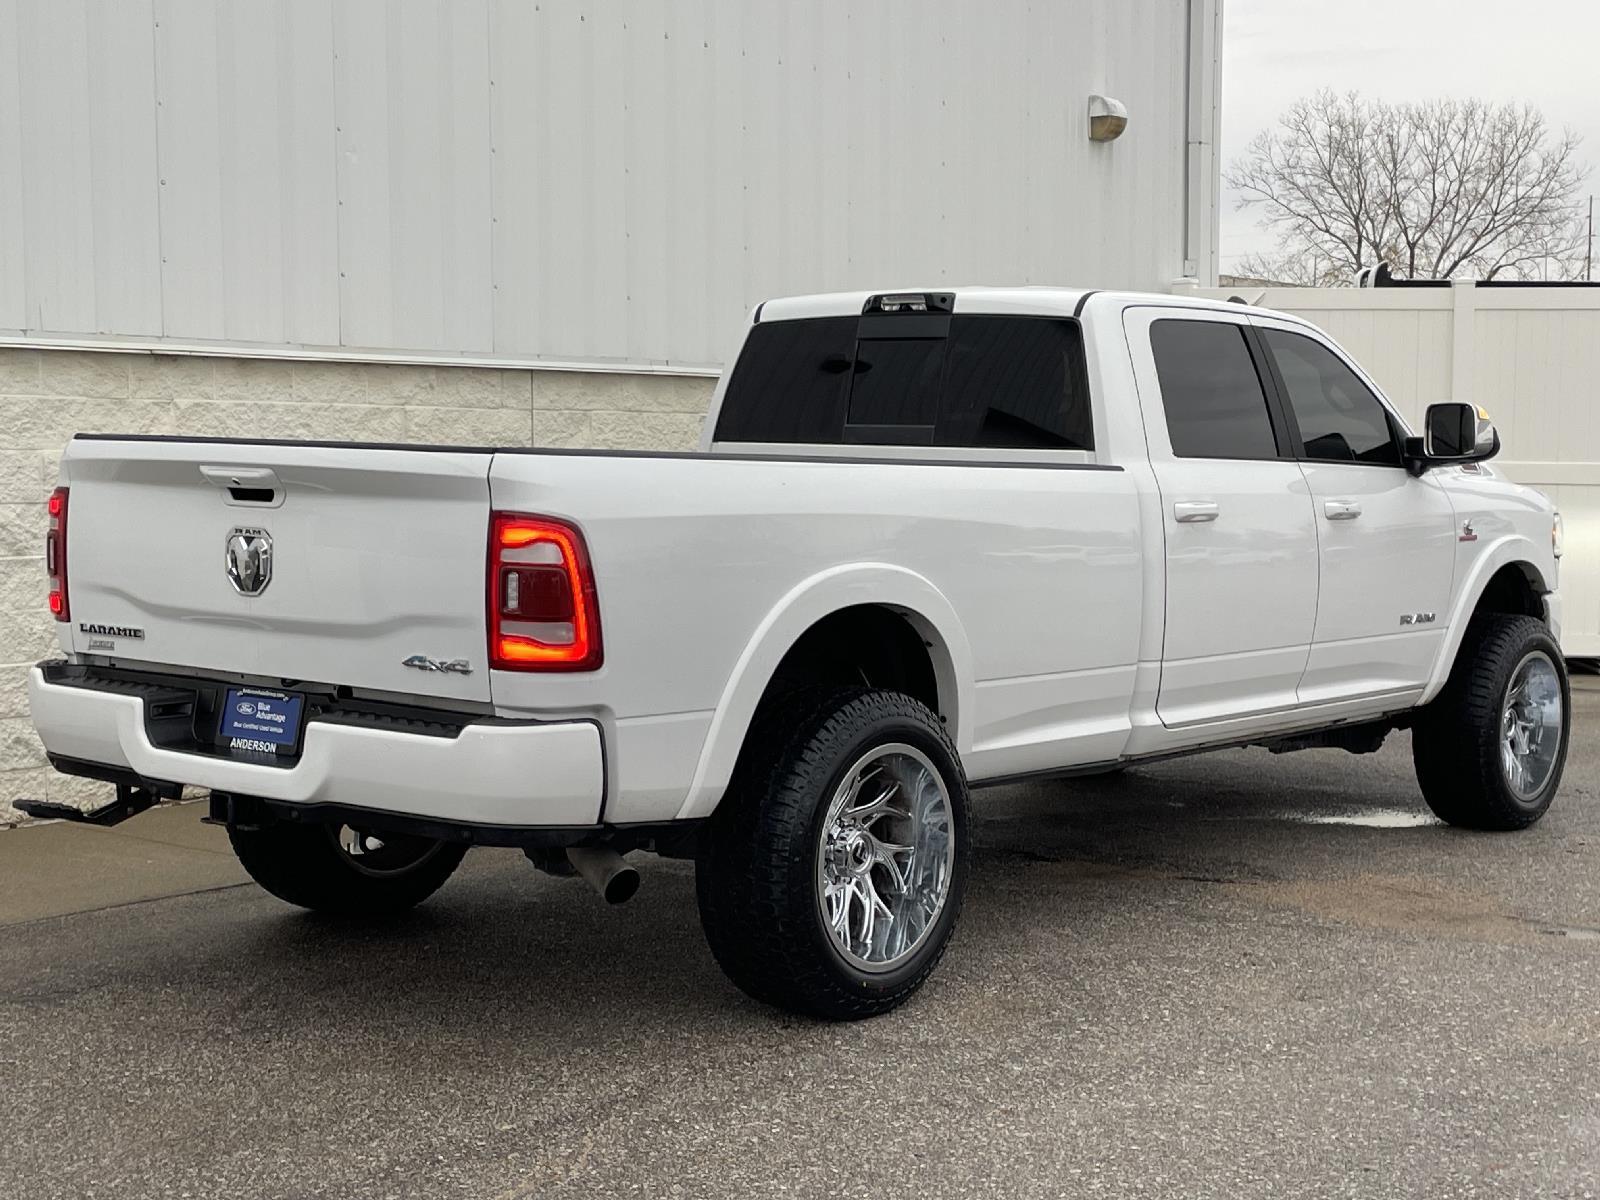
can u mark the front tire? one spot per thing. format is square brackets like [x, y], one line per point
[831, 876]
[337, 869]
[1490, 749]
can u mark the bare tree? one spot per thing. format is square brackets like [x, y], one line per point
[1439, 189]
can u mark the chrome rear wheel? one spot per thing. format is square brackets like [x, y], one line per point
[831, 876]
[885, 856]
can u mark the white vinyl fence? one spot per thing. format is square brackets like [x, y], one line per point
[1528, 354]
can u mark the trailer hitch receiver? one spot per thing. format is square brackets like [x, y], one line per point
[132, 799]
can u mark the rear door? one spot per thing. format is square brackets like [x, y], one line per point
[1387, 538]
[296, 563]
[1241, 544]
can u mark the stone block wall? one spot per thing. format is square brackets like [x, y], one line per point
[48, 395]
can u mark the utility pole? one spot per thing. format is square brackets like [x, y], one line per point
[1588, 252]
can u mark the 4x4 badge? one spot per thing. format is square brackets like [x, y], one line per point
[451, 666]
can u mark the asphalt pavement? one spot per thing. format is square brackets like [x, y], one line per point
[1239, 975]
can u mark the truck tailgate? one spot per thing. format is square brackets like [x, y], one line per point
[376, 557]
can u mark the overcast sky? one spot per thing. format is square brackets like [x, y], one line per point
[1546, 52]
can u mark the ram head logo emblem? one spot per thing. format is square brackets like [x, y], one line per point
[249, 561]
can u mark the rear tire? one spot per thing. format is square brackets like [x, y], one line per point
[831, 876]
[311, 866]
[1490, 749]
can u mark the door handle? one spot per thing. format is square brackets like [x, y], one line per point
[1192, 512]
[1341, 510]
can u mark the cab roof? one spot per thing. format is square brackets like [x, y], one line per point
[1031, 300]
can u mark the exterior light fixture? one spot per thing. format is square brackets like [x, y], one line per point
[1107, 119]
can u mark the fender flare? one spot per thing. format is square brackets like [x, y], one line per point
[847, 586]
[1509, 550]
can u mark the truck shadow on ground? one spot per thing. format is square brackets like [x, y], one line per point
[1068, 864]
[1185, 932]
[1187, 907]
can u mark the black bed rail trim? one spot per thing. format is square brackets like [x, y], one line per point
[570, 452]
[199, 440]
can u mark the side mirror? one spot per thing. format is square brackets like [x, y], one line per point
[1458, 433]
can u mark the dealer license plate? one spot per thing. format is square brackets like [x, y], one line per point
[257, 720]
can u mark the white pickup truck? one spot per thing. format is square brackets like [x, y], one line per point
[933, 540]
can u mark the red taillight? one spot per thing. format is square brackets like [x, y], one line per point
[55, 553]
[543, 615]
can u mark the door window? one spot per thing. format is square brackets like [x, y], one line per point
[1340, 419]
[1215, 404]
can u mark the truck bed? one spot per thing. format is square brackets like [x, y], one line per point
[706, 565]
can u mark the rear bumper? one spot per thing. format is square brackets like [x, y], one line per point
[512, 774]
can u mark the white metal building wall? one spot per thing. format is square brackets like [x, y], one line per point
[571, 180]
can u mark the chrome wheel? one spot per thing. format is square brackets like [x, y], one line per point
[885, 857]
[382, 853]
[1530, 726]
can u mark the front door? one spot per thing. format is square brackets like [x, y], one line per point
[1387, 538]
[1241, 541]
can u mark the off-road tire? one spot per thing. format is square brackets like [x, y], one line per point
[303, 864]
[755, 875]
[1455, 742]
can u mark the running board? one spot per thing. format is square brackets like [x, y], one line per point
[1364, 738]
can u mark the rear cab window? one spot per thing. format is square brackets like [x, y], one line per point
[924, 378]
[791, 382]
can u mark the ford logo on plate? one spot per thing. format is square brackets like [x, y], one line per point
[245, 709]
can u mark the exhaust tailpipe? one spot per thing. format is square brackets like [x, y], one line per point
[605, 871]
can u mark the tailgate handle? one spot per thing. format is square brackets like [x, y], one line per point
[253, 487]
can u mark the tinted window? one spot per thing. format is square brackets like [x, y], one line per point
[992, 381]
[1017, 382]
[894, 398]
[1340, 419]
[1216, 407]
[790, 382]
